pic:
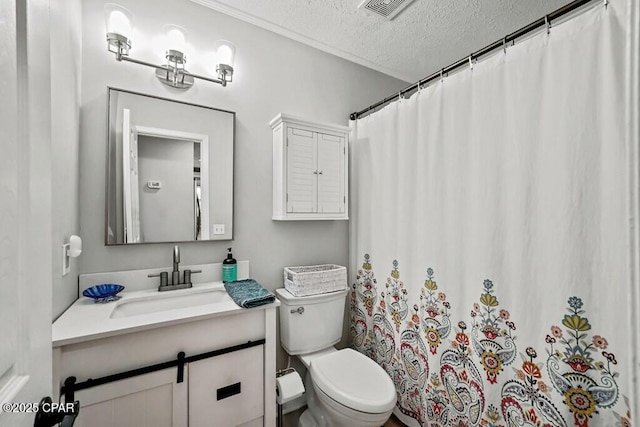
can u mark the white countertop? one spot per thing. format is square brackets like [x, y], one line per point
[85, 320]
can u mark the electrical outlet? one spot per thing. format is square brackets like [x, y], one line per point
[218, 229]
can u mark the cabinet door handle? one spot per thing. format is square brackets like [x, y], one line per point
[319, 172]
[228, 391]
[298, 310]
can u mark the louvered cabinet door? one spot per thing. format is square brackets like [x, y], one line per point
[330, 172]
[302, 183]
[310, 169]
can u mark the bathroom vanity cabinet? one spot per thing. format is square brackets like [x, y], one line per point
[232, 384]
[310, 169]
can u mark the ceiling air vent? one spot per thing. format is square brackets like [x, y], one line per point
[386, 8]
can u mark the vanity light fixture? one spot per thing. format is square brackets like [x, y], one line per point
[173, 73]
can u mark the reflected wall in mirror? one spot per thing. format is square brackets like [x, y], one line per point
[169, 171]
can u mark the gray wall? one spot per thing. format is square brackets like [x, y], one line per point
[65, 17]
[273, 75]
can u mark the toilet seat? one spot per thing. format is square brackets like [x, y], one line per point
[354, 381]
[306, 359]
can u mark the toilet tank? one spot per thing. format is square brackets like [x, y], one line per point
[310, 323]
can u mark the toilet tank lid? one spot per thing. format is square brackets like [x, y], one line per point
[355, 381]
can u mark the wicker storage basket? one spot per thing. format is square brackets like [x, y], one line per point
[315, 279]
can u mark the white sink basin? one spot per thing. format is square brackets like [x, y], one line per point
[169, 300]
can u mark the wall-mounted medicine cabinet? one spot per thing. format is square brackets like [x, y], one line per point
[310, 169]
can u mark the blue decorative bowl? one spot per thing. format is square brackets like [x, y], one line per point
[103, 293]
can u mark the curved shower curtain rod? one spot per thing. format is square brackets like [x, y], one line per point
[544, 21]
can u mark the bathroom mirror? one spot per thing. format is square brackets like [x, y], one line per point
[169, 171]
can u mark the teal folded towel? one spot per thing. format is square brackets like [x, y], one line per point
[249, 293]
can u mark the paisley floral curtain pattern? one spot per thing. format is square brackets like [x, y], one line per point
[476, 373]
[489, 236]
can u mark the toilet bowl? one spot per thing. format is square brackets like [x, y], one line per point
[343, 387]
[346, 388]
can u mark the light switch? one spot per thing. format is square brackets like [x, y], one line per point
[218, 229]
[66, 259]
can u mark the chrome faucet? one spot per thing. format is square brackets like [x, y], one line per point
[175, 283]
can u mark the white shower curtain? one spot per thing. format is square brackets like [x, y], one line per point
[489, 236]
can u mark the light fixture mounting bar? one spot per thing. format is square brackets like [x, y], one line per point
[162, 70]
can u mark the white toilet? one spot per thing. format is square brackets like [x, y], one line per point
[344, 387]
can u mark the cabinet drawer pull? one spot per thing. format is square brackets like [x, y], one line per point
[228, 391]
[298, 310]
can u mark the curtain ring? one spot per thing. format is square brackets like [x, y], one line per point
[606, 3]
[504, 44]
[547, 23]
[471, 62]
[442, 75]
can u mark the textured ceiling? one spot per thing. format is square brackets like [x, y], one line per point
[425, 37]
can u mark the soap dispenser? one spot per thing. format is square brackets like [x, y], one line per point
[229, 268]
